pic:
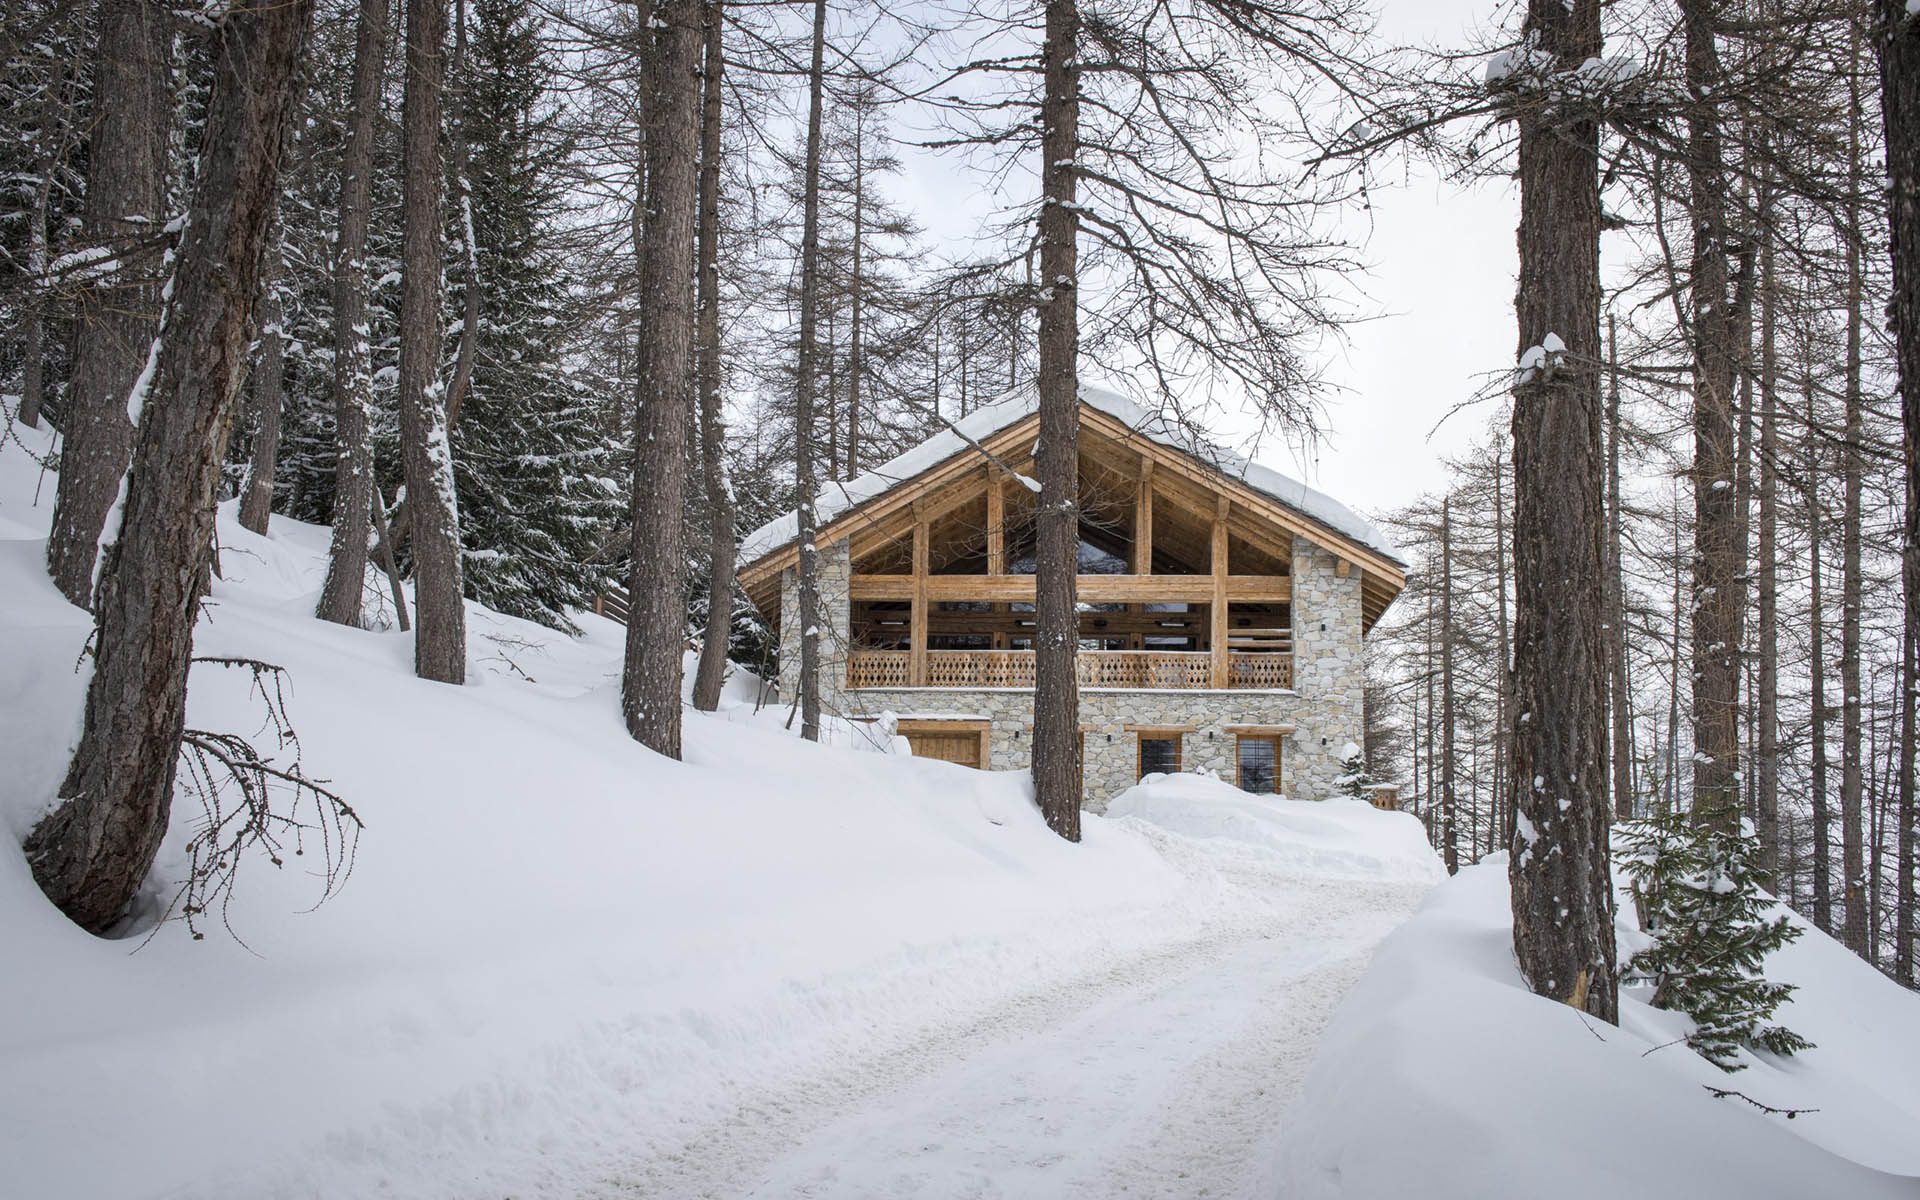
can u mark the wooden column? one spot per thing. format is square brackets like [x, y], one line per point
[1142, 537]
[917, 622]
[997, 541]
[1218, 631]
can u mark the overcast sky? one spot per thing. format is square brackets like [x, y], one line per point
[1441, 284]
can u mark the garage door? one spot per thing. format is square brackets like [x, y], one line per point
[963, 742]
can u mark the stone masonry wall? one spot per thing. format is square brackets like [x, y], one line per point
[1325, 705]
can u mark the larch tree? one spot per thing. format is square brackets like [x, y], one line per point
[656, 628]
[711, 673]
[120, 307]
[440, 635]
[1562, 890]
[1897, 41]
[92, 853]
[354, 495]
[806, 480]
[1056, 631]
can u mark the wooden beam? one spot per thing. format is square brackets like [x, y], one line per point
[1143, 519]
[917, 631]
[1094, 589]
[1217, 634]
[996, 522]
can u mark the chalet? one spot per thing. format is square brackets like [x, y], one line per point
[1223, 605]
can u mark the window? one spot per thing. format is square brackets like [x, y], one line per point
[1159, 754]
[1259, 763]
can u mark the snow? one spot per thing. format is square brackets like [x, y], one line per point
[1492, 1091]
[565, 966]
[840, 496]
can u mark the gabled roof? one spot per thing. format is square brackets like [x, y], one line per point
[1343, 527]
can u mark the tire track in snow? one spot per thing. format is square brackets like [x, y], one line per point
[1165, 1074]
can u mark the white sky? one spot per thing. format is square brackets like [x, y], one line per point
[1443, 266]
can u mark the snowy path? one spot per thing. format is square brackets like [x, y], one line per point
[1167, 1075]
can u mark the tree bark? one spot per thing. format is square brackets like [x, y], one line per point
[807, 382]
[353, 490]
[1852, 762]
[1056, 639]
[1718, 591]
[93, 852]
[1817, 635]
[469, 349]
[1767, 740]
[1449, 802]
[713, 443]
[657, 628]
[268, 378]
[1562, 894]
[1898, 42]
[1502, 828]
[119, 314]
[1621, 707]
[857, 295]
[440, 634]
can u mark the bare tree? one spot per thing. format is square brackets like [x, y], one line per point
[711, 673]
[1562, 894]
[440, 634]
[806, 384]
[354, 496]
[656, 630]
[1897, 39]
[91, 854]
[120, 308]
[1057, 761]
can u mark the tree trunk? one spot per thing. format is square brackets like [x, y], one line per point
[713, 443]
[93, 852]
[805, 391]
[1621, 707]
[1898, 40]
[1767, 741]
[119, 314]
[657, 628]
[353, 496]
[1718, 593]
[1817, 635]
[469, 350]
[1562, 894]
[856, 330]
[1056, 640]
[440, 636]
[1502, 779]
[1852, 763]
[268, 378]
[1449, 802]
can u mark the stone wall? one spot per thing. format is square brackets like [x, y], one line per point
[1324, 705]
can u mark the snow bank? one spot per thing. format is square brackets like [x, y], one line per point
[557, 953]
[1329, 839]
[837, 497]
[1488, 1090]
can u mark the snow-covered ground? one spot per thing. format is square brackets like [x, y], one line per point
[1492, 1091]
[564, 966]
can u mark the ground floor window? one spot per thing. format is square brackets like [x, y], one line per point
[1159, 754]
[1259, 763]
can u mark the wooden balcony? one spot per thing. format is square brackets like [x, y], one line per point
[1182, 670]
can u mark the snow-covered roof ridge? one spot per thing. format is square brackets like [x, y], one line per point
[839, 497]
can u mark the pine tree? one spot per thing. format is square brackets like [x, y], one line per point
[1698, 891]
[534, 466]
[1356, 780]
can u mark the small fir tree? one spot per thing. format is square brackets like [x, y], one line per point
[1355, 779]
[1698, 894]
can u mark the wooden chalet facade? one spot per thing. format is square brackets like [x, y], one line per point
[1223, 606]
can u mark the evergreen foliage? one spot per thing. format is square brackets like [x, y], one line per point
[1698, 892]
[535, 468]
[1355, 779]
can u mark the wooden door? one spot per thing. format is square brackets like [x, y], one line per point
[962, 742]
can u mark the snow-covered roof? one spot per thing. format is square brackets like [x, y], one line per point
[840, 497]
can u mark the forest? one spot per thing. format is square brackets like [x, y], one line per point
[539, 305]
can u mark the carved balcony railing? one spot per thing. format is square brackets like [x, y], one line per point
[1181, 670]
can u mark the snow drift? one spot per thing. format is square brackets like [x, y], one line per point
[1491, 1091]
